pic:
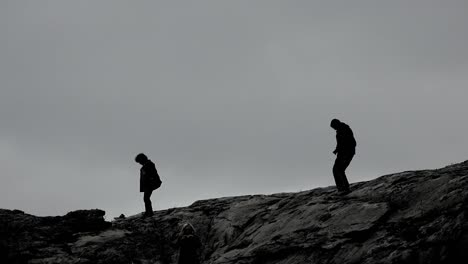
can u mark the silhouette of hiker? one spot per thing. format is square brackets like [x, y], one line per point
[188, 243]
[345, 150]
[149, 181]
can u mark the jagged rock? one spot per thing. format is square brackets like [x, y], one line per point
[122, 216]
[409, 217]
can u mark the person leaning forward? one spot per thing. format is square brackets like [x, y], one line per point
[345, 151]
[149, 181]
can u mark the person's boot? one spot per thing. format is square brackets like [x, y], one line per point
[148, 210]
[343, 191]
[146, 215]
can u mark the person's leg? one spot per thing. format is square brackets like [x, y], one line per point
[347, 158]
[345, 182]
[148, 205]
[346, 161]
[338, 173]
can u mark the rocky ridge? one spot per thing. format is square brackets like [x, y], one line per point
[408, 217]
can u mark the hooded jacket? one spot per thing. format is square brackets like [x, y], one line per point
[345, 141]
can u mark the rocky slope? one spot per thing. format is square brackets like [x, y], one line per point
[409, 217]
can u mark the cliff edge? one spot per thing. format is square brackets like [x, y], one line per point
[408, 217]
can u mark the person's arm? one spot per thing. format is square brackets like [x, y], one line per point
[338, 143]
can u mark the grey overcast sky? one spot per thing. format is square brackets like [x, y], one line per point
[226, 97]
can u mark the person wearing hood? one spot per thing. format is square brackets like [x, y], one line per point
[149, 181]
[344, 151]
[189, 245]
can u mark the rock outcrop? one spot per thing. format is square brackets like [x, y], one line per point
[409, 217]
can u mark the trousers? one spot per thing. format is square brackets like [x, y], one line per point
[147, 200]
[341, 163]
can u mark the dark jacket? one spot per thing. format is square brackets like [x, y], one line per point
[188, 252]
[345, 142]
[148, 177]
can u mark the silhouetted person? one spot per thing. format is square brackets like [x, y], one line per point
[345, 150]
[189, 245]
[149, 181]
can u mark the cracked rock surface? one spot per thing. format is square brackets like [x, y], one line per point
[409, 217]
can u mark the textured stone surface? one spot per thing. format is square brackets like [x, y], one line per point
[409, 217]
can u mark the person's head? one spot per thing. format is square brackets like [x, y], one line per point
[141, 158]
[335, 123]
[188, 229]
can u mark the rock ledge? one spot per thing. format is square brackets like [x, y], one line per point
[409, 217]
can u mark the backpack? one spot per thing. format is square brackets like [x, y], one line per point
[156, 182]
[155, 179]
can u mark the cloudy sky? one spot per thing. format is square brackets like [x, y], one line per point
[227, 97]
